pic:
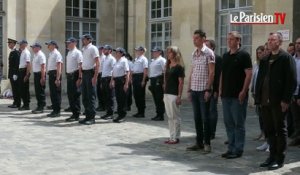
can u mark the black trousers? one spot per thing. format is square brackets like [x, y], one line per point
[156, 88]
[74, 93]
[100, 92]
[295, 110]
[15, 91]
[108, 95]
[274, 122]
[120, 96]
[129, 96]
[88, 94]
[23, 87]
[39, 90]
[139, 92]
[55, 92]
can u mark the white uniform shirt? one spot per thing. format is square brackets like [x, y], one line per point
[54, 58]
[90, 53]
[130, 63]
[101, 58]
[108, 65]
[140, 64]
[39, 58]
[24, 58]
[157, 67]
[121, 67]
[74, 58]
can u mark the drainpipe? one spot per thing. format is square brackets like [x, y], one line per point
[126, 7]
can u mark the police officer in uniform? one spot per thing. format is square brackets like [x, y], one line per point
[156, 70]
[90, 68]
[13, 69]
[119, 81]
[107, 67]
[39, 73]
[24, 74]
[139, 80]
[100, 90]
[74, 62]
[54, 68]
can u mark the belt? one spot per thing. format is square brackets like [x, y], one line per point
[72, 73]
[119, 78]
[138, 74]
[157, 77]
[89, 70]
[105, 77]
[51, 72]
[22, 69]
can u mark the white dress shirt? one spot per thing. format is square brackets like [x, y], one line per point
[120, 68]
[54, 58]
[39, 58]
[157, 67]
[90, 53]
[108, 65]
[140, 64]
[24, 58]
[74, 58]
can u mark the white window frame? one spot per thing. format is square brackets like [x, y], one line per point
[163, 21]
[82, 20]
[248, 9]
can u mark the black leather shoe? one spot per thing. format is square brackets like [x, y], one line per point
[53, 114]
[49, 107]
[266, 163]
[89, 122]
[68, 109]
[224, 155]
[233, 156]
[24, 108]
[72, 118]
[106, 116]
[13, 106]
[82, 121]
[158, 118]
[275, 166]
[37, 111]
[119, 119]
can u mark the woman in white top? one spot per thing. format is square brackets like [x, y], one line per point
[119, 81]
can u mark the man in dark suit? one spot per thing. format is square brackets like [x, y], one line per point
[13, 69]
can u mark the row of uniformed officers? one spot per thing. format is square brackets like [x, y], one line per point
[89, 72]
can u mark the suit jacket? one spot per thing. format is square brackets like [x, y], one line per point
[13, 63]
[283, 78]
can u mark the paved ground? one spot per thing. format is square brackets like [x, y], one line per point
[34, 144]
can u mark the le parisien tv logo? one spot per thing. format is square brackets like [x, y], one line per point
[258, 18]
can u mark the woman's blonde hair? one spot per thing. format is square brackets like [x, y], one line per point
[177, 56]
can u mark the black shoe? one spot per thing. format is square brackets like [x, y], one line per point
[226, 142]
[72, 118]
[118, 119]
[139, 116]
[267, 163]
[224, 155]
[24, 108]
[100, 109]
[53, 114]
[89, 122]
[234, 156]
[49, 107]
[82, 121]
[134, 115]
[195, 147]
[107, 116]
[13, 106]
[68, 109]
[275, 166]
[158, 118]
[38, 110]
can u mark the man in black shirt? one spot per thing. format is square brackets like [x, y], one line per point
[275, 84]
[234, 84]
[13, 69]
